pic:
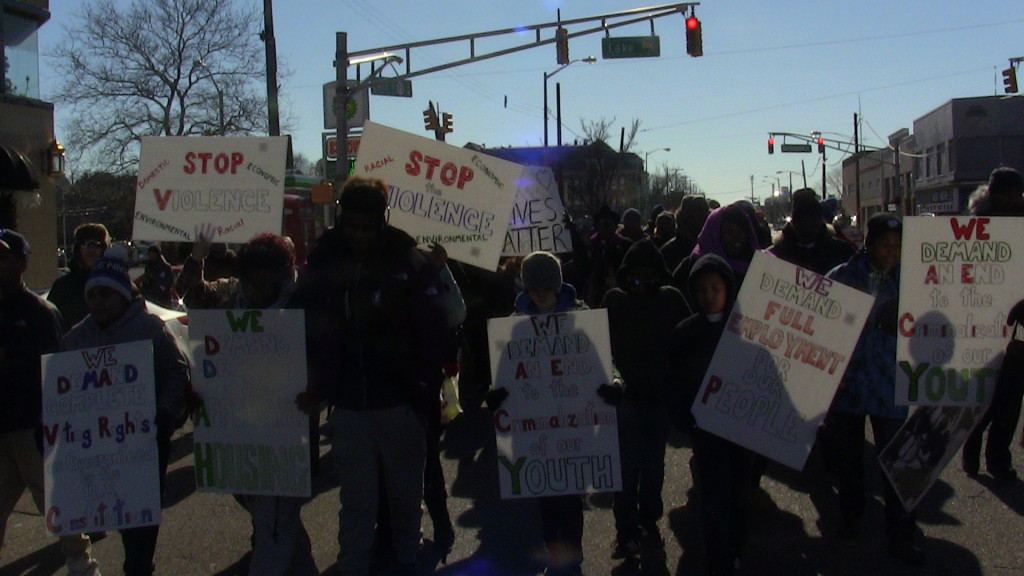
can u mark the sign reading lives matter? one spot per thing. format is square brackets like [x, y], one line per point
[554, 433]
[785, 348]
[101, 468]
[538, 216]
[441, 193]
[248, 366]
[960, 278]
[234, 184]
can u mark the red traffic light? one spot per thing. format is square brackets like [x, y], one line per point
[692, 23]
[694, 39]
[771, 145]
[821, 145]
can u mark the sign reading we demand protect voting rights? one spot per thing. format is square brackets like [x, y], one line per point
[248, 366]
[786, 345]
[554, 434]
[236, 185]
[101, 467]
[440, 193]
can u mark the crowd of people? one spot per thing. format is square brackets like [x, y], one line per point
[386, 321]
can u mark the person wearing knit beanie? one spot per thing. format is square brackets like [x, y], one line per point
[109, 290]
[541, 271]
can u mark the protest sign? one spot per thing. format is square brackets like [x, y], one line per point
[538, 217]
[248, 366]
[441, 193]
[235, 185]
[786, 345]
[101, 466]
[958, 283]
[554, 433]
[923, 447]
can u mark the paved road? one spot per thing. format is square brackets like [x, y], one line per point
[971, 527]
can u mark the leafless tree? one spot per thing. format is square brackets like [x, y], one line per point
[159, 68]
[601, 131]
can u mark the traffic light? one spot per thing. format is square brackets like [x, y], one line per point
[694, 42]
[1010, 80]
[447, 122]
[430, 118]
[771, 145]
[821, 145]
[562, 45]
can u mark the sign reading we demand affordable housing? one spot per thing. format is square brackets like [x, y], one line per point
[554, 434]
[248, 366]
[786, 344]
[236, 185]
[101, 466]
[961, 276]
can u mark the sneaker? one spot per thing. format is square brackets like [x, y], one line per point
[625, 548]
[970, 466]
[1003, 474]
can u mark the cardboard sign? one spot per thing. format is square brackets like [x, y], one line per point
[554, 434]
[537, 221]
[442, 193]
[101, 466]
[960, 276]
[248, 366]
[786, 345]
[234, 184]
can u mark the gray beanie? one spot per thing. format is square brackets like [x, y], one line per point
[541, 270]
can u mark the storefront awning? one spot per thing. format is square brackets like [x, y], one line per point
[16, 171]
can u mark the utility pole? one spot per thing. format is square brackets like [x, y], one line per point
[274, 118]
[341, 116]
[753, 199]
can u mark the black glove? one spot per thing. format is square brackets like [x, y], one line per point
[610, 394]
[494, 397]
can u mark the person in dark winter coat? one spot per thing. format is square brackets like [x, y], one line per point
[722, 469]
[806, 240]
[867, 390]
[376, 344]
[68, 291]
[642, 309]
[157, 279]
[607, 248]
[690, 217]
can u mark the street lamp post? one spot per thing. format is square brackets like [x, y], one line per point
[588, 60]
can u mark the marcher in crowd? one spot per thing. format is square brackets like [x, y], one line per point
[690, 217]
[29, 328]
[1003, 196]
[117, 315]
[376, 334]
[643, 309]
[68, 291]
[632, 226]
[722, 469]
[265, 280]
[607, 248]
[157, 280]
[664, 228]
[867, 390]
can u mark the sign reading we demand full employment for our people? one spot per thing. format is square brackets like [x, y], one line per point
[101, 466]
[554, 434]
[960, 279]
[440, 193]
[235, 185]
[248, 366]
[786, 344]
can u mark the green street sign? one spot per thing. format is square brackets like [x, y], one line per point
[796, 147]
[631, 47]
[390, 87]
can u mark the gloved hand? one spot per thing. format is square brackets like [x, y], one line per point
[494, 397]
[610, 394]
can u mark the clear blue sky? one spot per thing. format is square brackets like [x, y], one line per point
[789, 66]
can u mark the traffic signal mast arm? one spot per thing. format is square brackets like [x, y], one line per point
[632, 16]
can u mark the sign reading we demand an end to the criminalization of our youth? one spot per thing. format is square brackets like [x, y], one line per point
[101, 467]
[248, 366]
[457, 197]
[538, 216]
[960, 277]
[554, 433]
[235, 185]
[785, 347]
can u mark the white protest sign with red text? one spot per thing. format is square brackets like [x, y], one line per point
[101, 466]
[440, 193]
[236, 185]
[785, 347]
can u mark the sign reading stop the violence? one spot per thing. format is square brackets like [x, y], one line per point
[440, 193]
[236, 185]
[786, 345]
[960, 279]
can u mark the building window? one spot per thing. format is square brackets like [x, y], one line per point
[21, 55]
[940, 151]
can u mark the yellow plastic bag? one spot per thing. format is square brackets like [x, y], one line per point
[450, 406]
